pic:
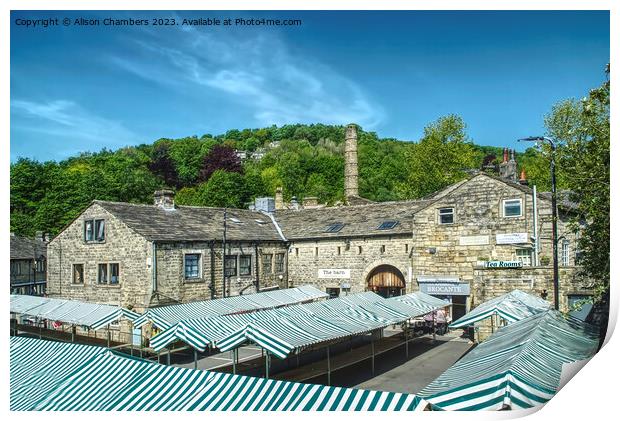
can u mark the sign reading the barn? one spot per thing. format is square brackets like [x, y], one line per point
[502, 264]
[334, 273]
[512, 238]
[474, 240]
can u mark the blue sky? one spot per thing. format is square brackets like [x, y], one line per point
[79, 89]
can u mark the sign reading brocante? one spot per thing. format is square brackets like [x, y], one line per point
[501, 264]
[334, 273]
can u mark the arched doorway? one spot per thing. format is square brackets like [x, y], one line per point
[386, 281]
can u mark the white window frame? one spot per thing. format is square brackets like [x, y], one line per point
[505, 201]
[526, 259]
[439, 214]
[565, 252]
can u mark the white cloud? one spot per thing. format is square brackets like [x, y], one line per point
[258, 73]
[69, 126]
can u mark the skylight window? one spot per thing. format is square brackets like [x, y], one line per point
[235, 220]
[260, 222]
[336, 227]
[387, 225]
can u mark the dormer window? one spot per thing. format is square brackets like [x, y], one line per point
[94, 230]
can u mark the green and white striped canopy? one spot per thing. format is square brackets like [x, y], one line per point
[106, 381]
[515, 305]
[94, 316]
[165, 317]
[288, 329]
[518, 366]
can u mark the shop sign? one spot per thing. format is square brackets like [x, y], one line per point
[474, 240]
[446, 279]
[512, 238]
[334, 273]
[445, 288]
[501, 264]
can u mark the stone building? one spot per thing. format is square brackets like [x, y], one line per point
[28, 262]
[472, 241]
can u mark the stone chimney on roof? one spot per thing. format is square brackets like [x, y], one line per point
[164, 199]
[350, 162]
[508, 168]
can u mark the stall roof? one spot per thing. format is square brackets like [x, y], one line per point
[165, 317]
[515, 305]
[85, 384]
[518, 366]
[285, 330]
[94, 316]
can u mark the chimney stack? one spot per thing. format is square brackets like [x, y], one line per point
[522, 178]
[164, 199]
[279, 202]
[508, 168]
[505, 155]
[350, 162]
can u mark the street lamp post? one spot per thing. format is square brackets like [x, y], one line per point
[554, 216]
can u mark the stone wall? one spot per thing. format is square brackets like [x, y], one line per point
[359, 255]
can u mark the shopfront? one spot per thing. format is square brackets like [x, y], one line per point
[448, 288]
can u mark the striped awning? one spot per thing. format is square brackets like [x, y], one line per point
[516, 305]
[519, 366]
[326, 321]
[165, 317]
[94, 316]
[106, 381]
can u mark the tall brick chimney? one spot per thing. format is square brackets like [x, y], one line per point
[164, 199]
[279, 202]
[350, 162]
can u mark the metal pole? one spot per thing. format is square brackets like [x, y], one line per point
[406, 342]
[72, 333]
[40, 330]
[168, 357]
[195, 359]
[267, 360]
[372, 347]
[108, 329]
[535, 211]
[329, 369]
[492, 323]
[158, 354]
[434, 326]
[234, 360]
[554, 210]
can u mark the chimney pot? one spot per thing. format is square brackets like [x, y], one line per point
[164, 199]
[505, 155]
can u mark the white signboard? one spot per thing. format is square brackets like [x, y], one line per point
[474, 240]
[334, 273]
[438, 279]
[512, 238]
[501, 264]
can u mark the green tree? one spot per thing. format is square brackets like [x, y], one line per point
[442, 157]
[583, 130]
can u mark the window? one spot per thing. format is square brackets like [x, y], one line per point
[230, 266]
[512, 208]
[446, 216]
[316, 251]
[40, 265]
[382, 248]
[333, 292]
[338, 250]
[78, 274]
[387, 225]
[245, 265]
[94, 230]
[279, 262]
[406, 248]
[296, 251]
[102, 273]
[359, 249]
[334, 227]
[114, 273]
[192, 266]
[565, 253]
[525, 256]
[267, 264]
[16, 268]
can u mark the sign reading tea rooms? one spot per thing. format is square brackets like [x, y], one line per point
[502, 264]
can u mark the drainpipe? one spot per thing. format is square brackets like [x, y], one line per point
[256, 267]
[224, 256]
[154, 266]
[212, 286]
[535, 210]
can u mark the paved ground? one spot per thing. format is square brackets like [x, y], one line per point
[393, 371]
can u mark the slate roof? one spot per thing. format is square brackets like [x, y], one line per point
[24, 248]
[360, 220]
[189, 223]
